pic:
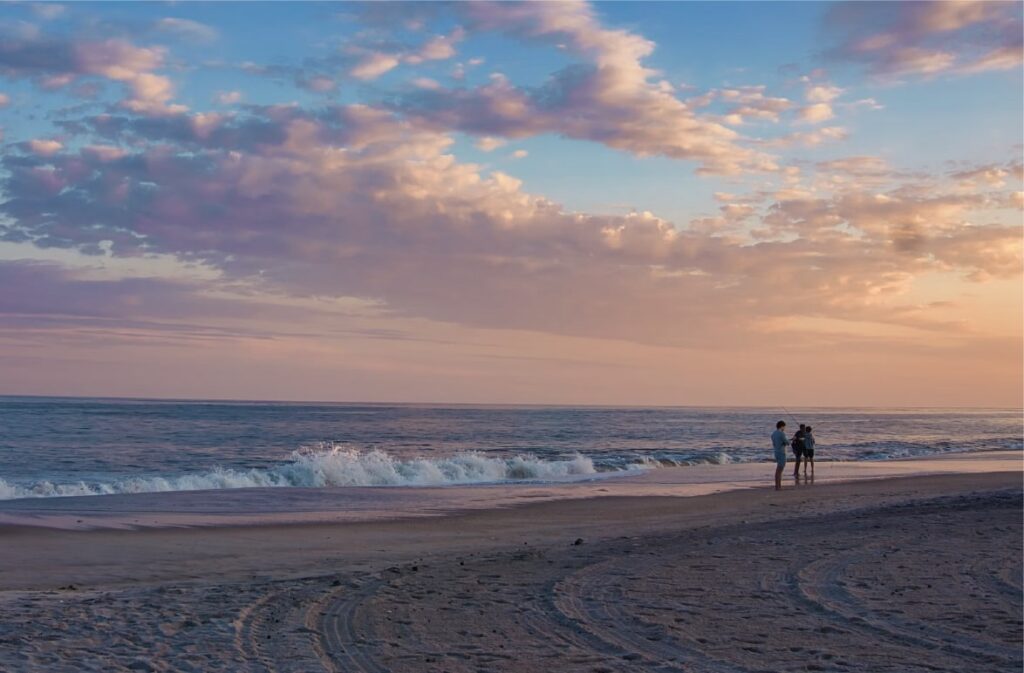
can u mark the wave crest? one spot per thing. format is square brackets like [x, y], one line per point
[332, 465]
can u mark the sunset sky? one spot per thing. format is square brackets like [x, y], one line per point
[614, 203]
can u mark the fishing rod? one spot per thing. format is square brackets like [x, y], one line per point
[791, 416]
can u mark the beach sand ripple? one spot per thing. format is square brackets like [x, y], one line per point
[925, 585]
[886, 590]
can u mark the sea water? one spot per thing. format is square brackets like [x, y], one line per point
[53, 447]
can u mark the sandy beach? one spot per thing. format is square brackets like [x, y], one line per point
[902, 573]
[512, 337]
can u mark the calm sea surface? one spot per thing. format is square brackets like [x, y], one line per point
[51, 446]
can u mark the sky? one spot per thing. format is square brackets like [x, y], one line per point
[730, 203]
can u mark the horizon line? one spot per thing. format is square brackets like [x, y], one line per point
[228, 400]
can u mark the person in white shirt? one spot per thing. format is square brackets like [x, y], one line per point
[779, 444]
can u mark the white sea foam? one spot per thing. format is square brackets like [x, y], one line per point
[720, 458]
[331, 466]
[650, 462]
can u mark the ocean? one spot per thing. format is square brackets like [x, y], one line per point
[53, 447]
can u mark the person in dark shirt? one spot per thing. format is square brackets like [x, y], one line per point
[798, 449]
[808, 451]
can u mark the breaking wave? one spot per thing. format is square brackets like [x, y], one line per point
[331, 466]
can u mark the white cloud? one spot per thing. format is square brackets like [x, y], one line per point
[426, 83]
[374, 65]
[822, 93]
[489, 144]
[866, 103]
[809, 138]
[187, 28]
[228, 97]
[816, 113]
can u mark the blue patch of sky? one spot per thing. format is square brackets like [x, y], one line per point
[928, 122]
[588, 177]
[526, 65]
[33, 113]
[268, 36]
[709, 44]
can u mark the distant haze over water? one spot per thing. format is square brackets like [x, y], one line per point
[65, 446]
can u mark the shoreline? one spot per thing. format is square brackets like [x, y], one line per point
[283, 506]
[39, 556]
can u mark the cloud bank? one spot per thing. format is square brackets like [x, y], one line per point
[369, 202]
[356, 201]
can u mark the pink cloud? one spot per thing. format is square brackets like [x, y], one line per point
[610, 97]
[927, 38]
[822, 93]
[860, 166]
[57, 62]
[438, 48]
[815, 113]
[373, 65]
[748, 102]
[357, 202]
[44, 146]
[992, 175]
[809, 138]
[375, 62]
[228, 97]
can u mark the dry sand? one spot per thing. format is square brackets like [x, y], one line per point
[903, 574]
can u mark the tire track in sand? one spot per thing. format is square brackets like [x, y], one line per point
[821, 584]
[592, 598]
[271, 633]
[345, 635]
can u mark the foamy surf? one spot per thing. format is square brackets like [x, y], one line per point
[333, 466]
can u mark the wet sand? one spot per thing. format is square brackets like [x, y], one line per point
[898, 574]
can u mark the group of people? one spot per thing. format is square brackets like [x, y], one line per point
[803, 450]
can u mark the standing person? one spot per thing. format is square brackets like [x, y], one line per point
[808, 451]
[798, 448]
[779, 443]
